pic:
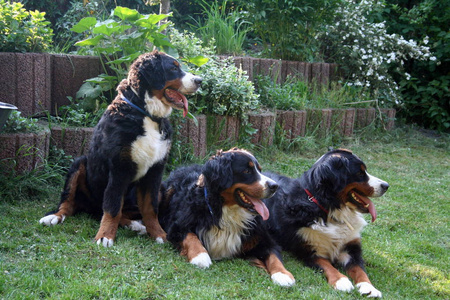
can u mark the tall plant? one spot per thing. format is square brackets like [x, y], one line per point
[288, 29]
[118, 40]
[22, 30]
[225, 27]
[425, 94]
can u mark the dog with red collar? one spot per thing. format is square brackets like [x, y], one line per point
[318, 217]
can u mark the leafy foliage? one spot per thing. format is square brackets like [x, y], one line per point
[425, 92]
[287, 29]
[225, 88]
[118, 40]
[295, 94]
[78, 115]
[22, 30]
[227, 30]
[366, 52]
[16, 123]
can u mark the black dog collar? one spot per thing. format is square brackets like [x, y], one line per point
[157, 120]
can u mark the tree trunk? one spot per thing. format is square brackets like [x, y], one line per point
[164, 8]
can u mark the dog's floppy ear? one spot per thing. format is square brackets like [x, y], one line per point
[330, 172]
[151, 71]
[217, 172]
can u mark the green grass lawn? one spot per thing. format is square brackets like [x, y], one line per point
[406, 248]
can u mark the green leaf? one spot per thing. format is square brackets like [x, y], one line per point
[84, 24]
[126, 13]
[191, 116]
[89, 42]
[87, 90]
[125, 59]
[199, 60]
[150, 20]
[110, 27]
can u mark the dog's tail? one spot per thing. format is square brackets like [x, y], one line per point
[76, 191]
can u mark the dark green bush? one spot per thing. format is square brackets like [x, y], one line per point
[22, 30]
[426, 96]
[287, 29]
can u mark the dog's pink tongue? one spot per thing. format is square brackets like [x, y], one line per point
[178, 98]
[372, 211]
[261, 208]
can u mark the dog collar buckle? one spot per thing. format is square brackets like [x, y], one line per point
[311, 198]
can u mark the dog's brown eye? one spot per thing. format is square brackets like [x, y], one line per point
[246, 171]
[174, 69]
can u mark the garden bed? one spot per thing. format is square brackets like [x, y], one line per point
[212, 130]
[23, 152]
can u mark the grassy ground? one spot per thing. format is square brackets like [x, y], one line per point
[406, 249]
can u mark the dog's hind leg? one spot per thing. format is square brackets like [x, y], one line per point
[149, 215]
[147, 200]
[74, 185]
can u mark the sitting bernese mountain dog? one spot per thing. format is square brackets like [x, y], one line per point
[215, 211]
[129, 148]
[318, 217]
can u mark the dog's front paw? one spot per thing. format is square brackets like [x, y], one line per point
[105, 242]
[202, 260]
[368, 290]
[282, 279]
[51, 220]
[344, 285]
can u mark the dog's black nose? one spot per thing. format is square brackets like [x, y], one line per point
[273, 187]
[385, 186]
[198, 80]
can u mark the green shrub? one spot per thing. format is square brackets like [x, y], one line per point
[225, 88]
[425, 93]
[296, 94]
[288, 29]
[118, 40]
[22, 30]
[16, 123]
[78, 115]
[366, 52]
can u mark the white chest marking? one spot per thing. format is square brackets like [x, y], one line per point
[328, 239]
[149, 148]
[226, 242]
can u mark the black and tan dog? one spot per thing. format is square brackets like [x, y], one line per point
[129, 148]
[317, 217]
[215, 211]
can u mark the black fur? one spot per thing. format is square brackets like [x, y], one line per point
[185, 209]
[329, 180]
[102, 177]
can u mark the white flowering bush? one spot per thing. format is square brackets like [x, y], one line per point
[366, 52]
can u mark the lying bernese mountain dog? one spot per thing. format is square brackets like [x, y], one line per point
[215, 211]
[318, 217]
[129, 147]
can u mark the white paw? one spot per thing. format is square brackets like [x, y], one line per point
[282, 279]
[138, 227]
[159, 240]
[51, 220]
[105, 242]
[343, 284]
[202, 260]
[368, 290]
